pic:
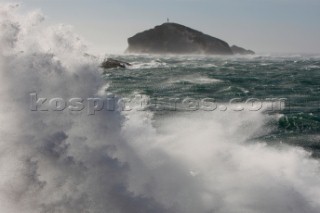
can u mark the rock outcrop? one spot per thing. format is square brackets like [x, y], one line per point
[172, 38]
[112, 63]
[241, 51]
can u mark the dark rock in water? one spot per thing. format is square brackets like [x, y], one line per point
[172, 38]
[112, 63]
[241, 51]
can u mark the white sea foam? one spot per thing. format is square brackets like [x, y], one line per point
[155, 63]
[113, 162]
[194, 79]
[312, 67]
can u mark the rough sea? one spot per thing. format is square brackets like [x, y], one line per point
[286, 88]
[186, 134]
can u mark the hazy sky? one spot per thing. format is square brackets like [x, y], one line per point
[287, 26]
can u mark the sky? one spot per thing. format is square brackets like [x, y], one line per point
[265, 26]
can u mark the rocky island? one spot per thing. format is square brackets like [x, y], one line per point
[172, 38]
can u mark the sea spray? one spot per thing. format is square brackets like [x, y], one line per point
[130, 161]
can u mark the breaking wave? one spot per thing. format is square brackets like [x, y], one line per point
[115, 162]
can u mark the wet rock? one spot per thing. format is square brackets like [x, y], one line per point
[112, 63]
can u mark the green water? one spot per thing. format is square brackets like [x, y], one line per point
[295, 80]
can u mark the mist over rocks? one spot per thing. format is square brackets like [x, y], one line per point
[241, 51]
[173, 38]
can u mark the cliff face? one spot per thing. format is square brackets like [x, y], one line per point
[171, 38]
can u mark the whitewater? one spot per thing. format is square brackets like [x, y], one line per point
[222, 160]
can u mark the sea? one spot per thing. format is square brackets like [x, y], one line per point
[168, 134]
[285, 88]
